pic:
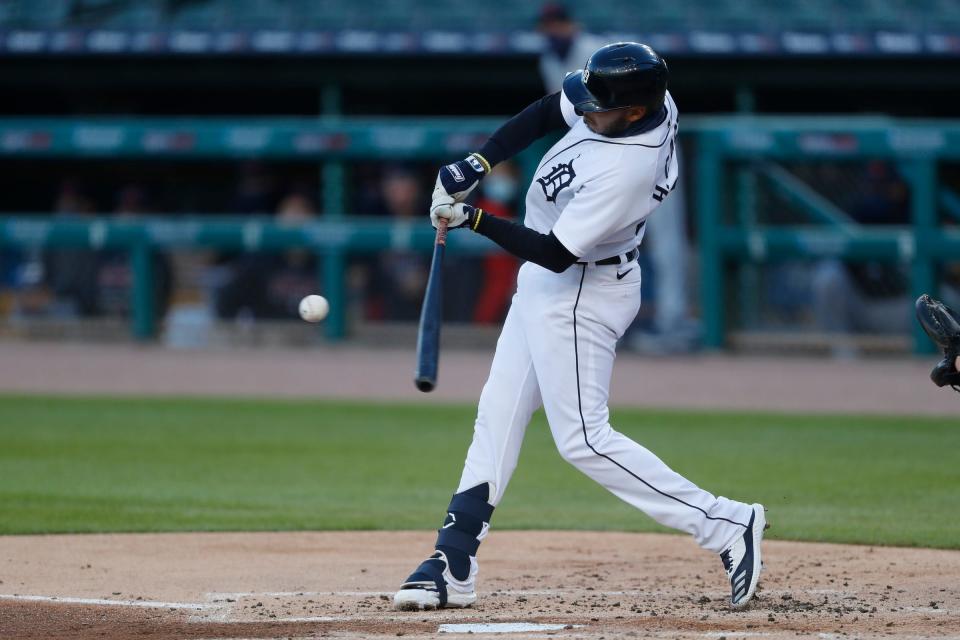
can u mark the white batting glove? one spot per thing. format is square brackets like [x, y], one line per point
[456, 215]
[440, 198]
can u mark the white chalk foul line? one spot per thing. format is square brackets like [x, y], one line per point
[319, 619]
[219, 595]
[149, 604]
[499, 627]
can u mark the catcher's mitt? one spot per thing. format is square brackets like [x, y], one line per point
[943, 326]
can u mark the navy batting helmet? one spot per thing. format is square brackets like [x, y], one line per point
[623, 74]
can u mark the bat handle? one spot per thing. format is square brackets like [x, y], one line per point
[442, 231]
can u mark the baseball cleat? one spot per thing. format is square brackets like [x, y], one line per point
[742, 559]
[432, 586]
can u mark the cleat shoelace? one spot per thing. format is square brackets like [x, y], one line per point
[727, 563]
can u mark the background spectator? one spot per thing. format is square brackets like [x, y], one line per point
[70, 274]
[667, 248]
[567, 48]
[94, 283]
[498, 194]
[270, 285]
[114, 278]
[868, 296]
[399, 276]
[256, 190]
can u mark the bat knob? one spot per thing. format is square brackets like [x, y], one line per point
[425, 384]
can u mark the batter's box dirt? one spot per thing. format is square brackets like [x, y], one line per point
[579, 584]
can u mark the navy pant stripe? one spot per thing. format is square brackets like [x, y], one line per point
[583, 422]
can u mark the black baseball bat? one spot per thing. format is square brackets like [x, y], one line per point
[431, 315]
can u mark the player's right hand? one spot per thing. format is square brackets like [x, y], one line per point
[455, 181]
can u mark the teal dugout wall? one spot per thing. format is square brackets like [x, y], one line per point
[720, 145]
[330, 239]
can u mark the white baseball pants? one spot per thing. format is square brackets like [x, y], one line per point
[557, 348]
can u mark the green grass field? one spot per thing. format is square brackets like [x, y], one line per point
[106, 464]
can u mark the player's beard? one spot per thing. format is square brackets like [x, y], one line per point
[610, 128]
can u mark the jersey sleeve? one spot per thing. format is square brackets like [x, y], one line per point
[601, 206]
[566, 109]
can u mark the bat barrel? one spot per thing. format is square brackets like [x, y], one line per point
[428, 335]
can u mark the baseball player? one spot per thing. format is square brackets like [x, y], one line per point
[577, 292]
[942, 325]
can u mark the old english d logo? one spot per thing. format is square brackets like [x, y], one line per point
[557, 180]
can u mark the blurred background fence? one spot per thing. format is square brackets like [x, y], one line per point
[185, 170]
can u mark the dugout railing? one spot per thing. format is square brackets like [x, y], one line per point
[735, 154]
[730, 155]
[331, 240]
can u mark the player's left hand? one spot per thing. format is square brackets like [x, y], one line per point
[455, 181]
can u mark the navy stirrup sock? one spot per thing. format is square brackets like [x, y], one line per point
[466, 524]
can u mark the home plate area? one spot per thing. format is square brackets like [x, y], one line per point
[533, 585]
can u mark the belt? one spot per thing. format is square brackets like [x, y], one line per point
[622, 258]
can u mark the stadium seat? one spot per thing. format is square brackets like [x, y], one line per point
[404, 15]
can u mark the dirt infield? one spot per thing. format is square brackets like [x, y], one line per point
[588, 585]
[899, 386]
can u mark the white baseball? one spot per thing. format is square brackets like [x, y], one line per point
[314, 308]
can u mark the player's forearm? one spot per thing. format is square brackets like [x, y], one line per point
[525, 243]
[534, 122]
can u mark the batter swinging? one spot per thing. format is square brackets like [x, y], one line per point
[577, 293]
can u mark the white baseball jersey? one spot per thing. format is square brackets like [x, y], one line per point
[594, 192]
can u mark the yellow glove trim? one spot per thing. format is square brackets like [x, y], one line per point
[476, 220]
[483, 161]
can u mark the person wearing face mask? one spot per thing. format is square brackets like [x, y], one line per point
[499, 196]
[565, 47]
[270, 285]
[674, 330]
